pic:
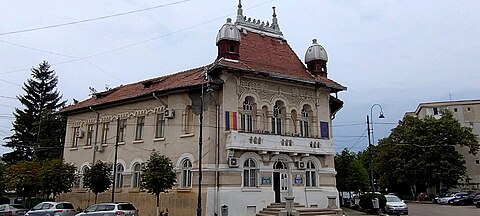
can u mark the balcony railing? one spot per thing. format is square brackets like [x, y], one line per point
[278, 143]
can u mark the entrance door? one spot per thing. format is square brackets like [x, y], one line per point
[280, 180]
[276, 186]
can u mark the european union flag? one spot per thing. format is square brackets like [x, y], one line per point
[324, 131]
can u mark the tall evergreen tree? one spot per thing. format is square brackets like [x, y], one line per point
[38, 131]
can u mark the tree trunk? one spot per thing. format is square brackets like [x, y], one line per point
[96, 195]
[158, 204]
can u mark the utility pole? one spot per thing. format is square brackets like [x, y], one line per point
[115, 160]
[371, 154]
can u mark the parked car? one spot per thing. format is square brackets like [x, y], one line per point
[12, 210]
[464, 199]
[476, 200]
[449, 198]
[51, 209]
[110, 209]
[395, 205]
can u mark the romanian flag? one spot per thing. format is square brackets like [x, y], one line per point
[230, 120]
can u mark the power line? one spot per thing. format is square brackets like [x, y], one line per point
[10, 82]
[140, 42]
[91, 19]
[1, 96]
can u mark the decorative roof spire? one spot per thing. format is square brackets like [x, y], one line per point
[240, 12]
[274, 20]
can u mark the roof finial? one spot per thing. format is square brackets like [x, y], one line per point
[314, 41]
[240, 12]
[274, 20]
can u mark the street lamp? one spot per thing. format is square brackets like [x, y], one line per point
[370, 145]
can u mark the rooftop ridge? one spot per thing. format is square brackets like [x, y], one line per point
[257, 24]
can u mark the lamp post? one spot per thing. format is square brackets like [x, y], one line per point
[370, 144]
[200, 143]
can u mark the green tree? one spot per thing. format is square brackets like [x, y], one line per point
[3, 178]
[38, 131]
[158, 176]
[56, 177]
[420, 153]
[22, 177]
[351, 175]
[98, 178]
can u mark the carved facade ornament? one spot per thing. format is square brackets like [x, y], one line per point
[123, 115]
[267, 91]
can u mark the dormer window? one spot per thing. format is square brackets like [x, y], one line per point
[231, 48]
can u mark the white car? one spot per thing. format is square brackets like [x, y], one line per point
[448, 199]
[395, 205]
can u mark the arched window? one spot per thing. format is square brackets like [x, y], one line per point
[304, 124]
[250, 173]
[84, 171]
[186, 174]
[310, 178]
[136, 174]
[119, 177]
[277, 116]
[247, 116]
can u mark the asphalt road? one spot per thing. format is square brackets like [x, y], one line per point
[417, 209]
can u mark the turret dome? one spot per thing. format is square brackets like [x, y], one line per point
[315, 52]
[228, 32]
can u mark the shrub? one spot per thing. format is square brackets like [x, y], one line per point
[366, 200]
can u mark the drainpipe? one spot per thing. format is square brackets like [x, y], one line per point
[217, 158]
[161, 101]
[96, 135]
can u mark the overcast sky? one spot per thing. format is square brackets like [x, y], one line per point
[394, 53]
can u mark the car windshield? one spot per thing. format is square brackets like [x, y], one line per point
[393, 199]
[127, 206]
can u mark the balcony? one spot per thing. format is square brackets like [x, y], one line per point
[278, 143]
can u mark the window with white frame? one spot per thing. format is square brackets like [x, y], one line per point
[310, 175]
[277, 118]
[305, 124]
[121, 130]
[250, 173]
[119, 176]
[76, 132]
[160, 126]
[140, 128]
[89, 134]
[186, 174]
[136, 174]
[187, 118]
[247, 116]
[105, 132]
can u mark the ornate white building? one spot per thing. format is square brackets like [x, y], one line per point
[265, 128]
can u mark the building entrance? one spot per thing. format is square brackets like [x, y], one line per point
[280, 180]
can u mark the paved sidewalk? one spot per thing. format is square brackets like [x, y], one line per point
[351, 212]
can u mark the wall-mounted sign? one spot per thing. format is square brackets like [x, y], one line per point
[298, 180]
[266, 181]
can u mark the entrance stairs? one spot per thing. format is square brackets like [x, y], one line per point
[275, 208]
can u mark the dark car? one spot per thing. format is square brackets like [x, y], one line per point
[476, 200]
[463, 199]
[12, 210]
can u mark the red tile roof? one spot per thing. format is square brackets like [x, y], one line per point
[258, 53]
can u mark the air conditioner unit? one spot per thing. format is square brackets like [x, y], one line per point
[143, 166]
[232, 162]
[169, 113]
[80, 133]
[301, 165]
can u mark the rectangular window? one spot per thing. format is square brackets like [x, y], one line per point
[304, 129]
[468, 109]
[75, 137]
[477, 161]
[105, 132]
[277, 126]
[455, 110]
[121, 130]
[246, 122]
[435, 111]
[140, 126]
[160, 126]
[89, 134]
